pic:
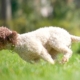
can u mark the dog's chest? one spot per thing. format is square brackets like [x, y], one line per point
[26, 54]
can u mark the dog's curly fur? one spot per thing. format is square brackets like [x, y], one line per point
[7, 36]
[43, 43]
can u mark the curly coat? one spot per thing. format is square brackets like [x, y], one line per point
[45, 43]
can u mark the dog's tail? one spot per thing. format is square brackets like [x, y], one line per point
[75, 38]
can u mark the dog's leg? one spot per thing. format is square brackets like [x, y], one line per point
[66, 51]
[46, 56]
[67, 54]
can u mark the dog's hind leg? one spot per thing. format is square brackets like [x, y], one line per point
[67, 54]
[65, 50]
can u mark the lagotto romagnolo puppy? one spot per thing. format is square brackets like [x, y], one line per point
[44, 43]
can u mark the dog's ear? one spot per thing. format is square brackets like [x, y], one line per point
[12, 38]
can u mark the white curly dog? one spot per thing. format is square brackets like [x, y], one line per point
[43, 43]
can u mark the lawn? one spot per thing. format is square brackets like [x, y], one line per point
[12, 67]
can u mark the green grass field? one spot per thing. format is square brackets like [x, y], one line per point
[12, 67]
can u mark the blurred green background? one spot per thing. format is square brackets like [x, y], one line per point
[28, 15]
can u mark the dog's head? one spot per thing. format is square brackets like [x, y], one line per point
[7, 37]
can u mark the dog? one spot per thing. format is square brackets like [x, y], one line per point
[44, 43]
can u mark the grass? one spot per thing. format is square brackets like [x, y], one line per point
[12, 67]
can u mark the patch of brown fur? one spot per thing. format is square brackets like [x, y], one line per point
[12, 38]
[7, 36]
